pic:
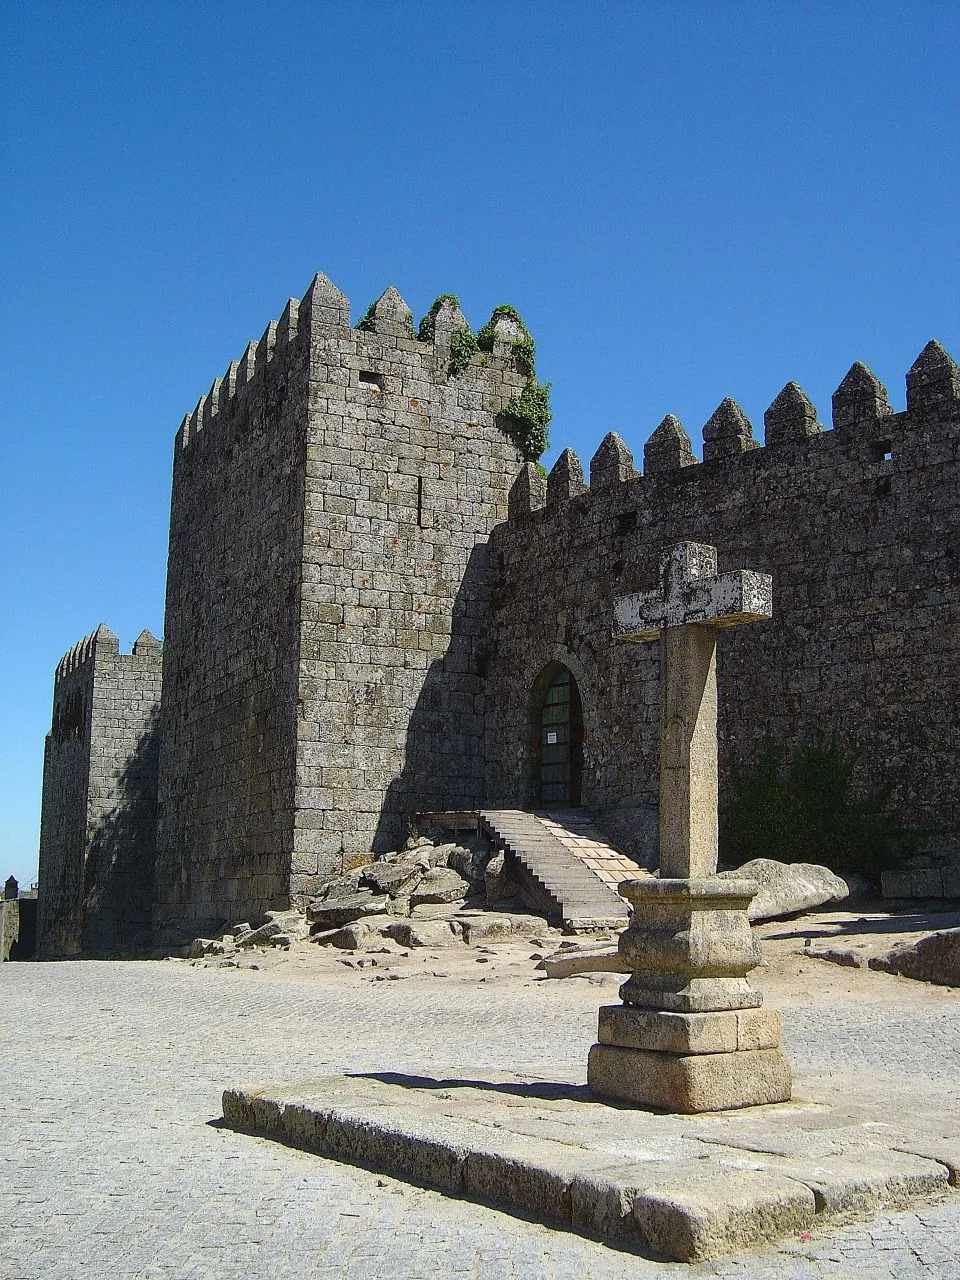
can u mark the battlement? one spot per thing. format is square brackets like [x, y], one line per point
[104, 643]
[323, 313]
[862, 418]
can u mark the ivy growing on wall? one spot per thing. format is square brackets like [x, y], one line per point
[369, 320]
[463, 341]
[524, 347]
[527, 418]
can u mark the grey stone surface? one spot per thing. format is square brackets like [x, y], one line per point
[99, 812]
[859, 645]
[439, 885]
[788, 887]
[935, 958]
[110, 1164]
[634, 1177]
[329, 913]
[358, 614]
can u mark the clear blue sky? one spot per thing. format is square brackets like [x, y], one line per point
[685, 201]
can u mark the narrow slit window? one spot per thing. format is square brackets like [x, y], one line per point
[420, 502]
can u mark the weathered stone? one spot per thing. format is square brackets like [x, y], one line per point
[421, 933]
[668, 449]
[689, 1083]
[437, 910]
[289, 922]
[470, 863]
[342, 886]
[728, 1031]
[934, 958]
[439, 885]
[393, 878]
[330, 913]
[496, 879]
[689, 945]
[358, 934]
[569, 961]
[484, 926]
[788, 887]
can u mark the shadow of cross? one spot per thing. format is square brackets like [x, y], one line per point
[684, 612]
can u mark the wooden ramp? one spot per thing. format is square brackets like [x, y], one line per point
[564, 864]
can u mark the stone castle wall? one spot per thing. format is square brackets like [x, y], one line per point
[99, 810]
[325, 595]
[860, 528]
[231, 638]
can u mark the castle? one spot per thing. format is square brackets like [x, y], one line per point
[377, 603]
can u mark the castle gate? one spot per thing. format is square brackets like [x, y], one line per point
[559, 755]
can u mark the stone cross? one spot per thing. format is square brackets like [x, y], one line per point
[684, 613]
[690, 1034]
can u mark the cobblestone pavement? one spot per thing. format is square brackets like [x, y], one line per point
[110, 1165]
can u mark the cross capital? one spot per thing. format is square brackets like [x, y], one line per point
[691, 591]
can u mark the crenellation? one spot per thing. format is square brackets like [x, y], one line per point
[367, 580]
[668, 449]
[933, 380]
[860, 397]
[791, 417]
[266, 346]
[565, 480]
[611, 464]
[728, 432]
[247, 368]
[288, 324]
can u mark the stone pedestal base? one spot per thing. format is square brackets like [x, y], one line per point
[732, 1031]
[690, 1035]
[689, 1083]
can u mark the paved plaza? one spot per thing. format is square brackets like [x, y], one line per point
[113, 1164]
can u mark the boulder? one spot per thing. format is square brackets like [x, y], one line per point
[788, 887]
[439, 885]
[342, 885]
[421, 933]
[934, 958]
[361, 933]
[495, 879]
[484, 925]
[469, 863]
[290, 923]
[586, 959]
[393, 878]
[439, 854]
[331, 913]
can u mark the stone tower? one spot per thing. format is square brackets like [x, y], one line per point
[326, 596]
[98, 820]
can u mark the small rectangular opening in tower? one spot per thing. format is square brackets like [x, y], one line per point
[372, 380]
[882, 450]
[420, 502]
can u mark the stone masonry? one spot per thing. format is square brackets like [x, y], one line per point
[99, 815]
[860, 528]
[332, 497]
[368, 590]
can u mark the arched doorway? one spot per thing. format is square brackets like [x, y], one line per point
[559, 774]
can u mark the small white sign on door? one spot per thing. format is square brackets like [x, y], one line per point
[551, 739]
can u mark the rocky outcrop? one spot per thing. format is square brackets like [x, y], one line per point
[787, 888]
[934, 958]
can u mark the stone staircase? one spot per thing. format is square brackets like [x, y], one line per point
[564, 865]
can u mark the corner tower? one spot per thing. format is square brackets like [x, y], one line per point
[99, 809]
[332, 498]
